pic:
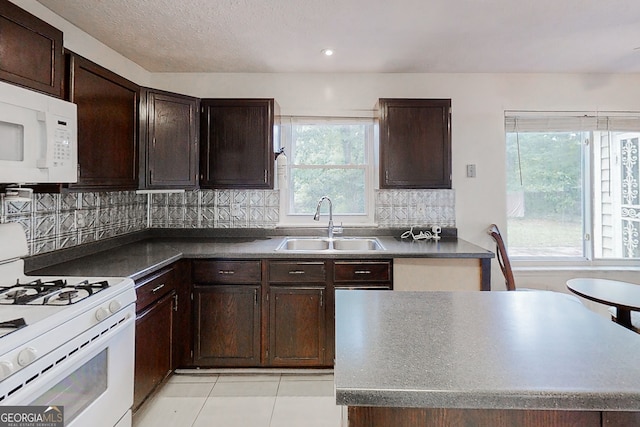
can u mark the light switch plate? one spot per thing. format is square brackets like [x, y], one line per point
[471, 171]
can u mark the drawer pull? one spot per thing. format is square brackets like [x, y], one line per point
[226, 272]
[157, 288]
[362, 272]
[296, 271]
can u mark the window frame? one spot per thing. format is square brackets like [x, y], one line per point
[285, 139]
[595, 123]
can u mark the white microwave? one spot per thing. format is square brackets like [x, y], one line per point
[38, 137]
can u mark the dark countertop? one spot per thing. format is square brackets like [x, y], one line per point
[134, 260]
[138, 258]
[481, 350]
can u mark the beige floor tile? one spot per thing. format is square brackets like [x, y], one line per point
[306, 377]
[180, 378]
[306, 388]
[234, 378]
[169, 411]
[246, 388]
[186, 389]
[307, 412]
[236, 412]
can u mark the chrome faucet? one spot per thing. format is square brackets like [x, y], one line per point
[316, 217]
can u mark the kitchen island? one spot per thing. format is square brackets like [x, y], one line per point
[482, 358]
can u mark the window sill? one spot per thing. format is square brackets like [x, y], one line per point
[576, 265]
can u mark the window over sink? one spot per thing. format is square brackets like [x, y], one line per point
[328, 156]
[573, 185]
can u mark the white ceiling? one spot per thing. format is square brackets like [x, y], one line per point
[596, 36]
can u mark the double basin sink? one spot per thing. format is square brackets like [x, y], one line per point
[321, 244]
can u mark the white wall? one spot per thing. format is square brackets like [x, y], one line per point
[478, 102]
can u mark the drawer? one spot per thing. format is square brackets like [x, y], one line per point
[364, 287]
[297, 271]
[226, 271]
[153, 287]
[362, 271]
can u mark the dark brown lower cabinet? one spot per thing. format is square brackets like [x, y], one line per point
[365, 416]
[158, 313]
[182, 332]
[297, 326]
[272, 312]
[153, 347]
[227, 325]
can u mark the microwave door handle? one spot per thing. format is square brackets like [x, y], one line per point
[44, 119]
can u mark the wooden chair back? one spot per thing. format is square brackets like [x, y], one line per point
[503, 257]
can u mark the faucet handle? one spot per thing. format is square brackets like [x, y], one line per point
[338, 229]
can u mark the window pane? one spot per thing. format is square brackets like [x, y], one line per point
[617, 202]
[329, 144]
[544, 194]
[345, 187]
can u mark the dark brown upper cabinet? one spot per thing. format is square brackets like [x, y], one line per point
[107, 127]
[30, 51]
[415, 143]
[236, 143]
[168, 140]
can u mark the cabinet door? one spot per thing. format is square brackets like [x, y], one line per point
[170, 158]
[107, 127]
[236, 143]
[297, 330]
[415, 143]
[182, 329]
[30, 51]
[153, 347]
[227, 325]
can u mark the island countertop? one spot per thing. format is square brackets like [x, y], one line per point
[481, 350]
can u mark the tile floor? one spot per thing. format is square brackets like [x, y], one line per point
[233, 400]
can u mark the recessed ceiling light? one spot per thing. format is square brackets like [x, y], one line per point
[327, 52]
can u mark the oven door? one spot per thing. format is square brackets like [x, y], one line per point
[91, 376]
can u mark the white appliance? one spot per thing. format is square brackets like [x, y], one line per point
[39, 137]
[65, 341]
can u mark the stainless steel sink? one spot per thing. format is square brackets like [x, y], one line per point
[354, 244]
[357, 244]
[304, 244]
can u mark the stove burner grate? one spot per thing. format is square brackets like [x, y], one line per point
[50, 292]
[67, 295]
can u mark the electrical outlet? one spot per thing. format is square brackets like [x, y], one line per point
[471, 171]
[236, 210]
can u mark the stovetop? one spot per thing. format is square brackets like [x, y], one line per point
[47, 291]
[36, 305]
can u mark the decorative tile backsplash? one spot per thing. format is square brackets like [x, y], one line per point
[215, 209]
[399, 208]
[57, 221]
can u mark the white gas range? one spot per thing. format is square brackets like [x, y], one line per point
[65, 341]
